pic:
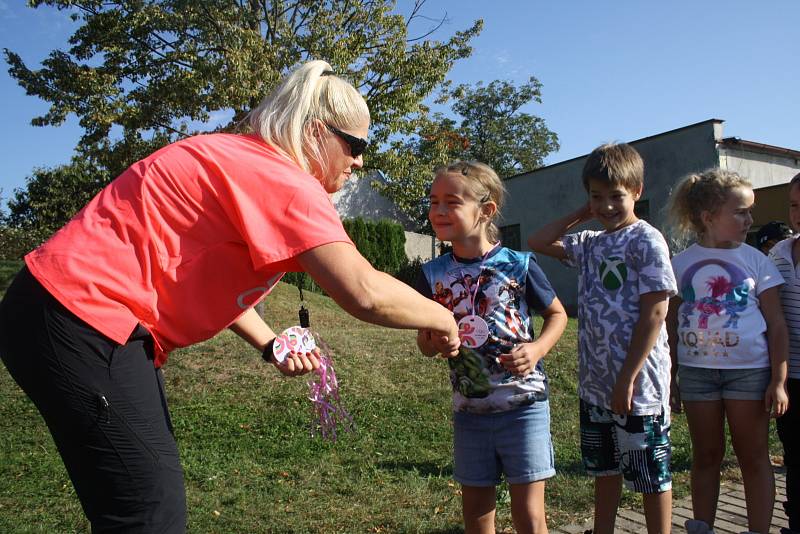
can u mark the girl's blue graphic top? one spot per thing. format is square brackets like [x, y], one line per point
[502, 289]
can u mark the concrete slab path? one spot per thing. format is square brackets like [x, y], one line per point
[731, 512]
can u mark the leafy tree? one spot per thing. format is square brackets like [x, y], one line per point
[413, 160]
[52, 196]
[139, 74]
[499, 133]
[487, 124]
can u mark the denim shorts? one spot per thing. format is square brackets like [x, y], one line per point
[703, 384]
[516, 444]
[636, 446]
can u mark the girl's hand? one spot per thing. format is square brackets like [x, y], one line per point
[298, 363]
[776, 401]
[521, 359]
[444, 345]
[675, 397]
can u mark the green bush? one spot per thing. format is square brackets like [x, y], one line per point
[16, 242]
[8, 270]
[308, 283]
[382, 243]
[410, 271]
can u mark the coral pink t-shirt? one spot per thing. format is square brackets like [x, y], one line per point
[186, 240]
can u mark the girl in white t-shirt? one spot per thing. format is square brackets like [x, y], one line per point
[729, 341]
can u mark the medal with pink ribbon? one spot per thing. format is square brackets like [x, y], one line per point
[472, 329]
[330, 417]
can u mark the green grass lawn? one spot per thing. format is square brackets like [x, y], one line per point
[251, 464]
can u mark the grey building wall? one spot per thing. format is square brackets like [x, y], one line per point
[540, 196]
[358, 198]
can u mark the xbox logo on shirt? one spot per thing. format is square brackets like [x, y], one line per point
[613, 272]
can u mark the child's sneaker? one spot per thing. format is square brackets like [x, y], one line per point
[695, 526]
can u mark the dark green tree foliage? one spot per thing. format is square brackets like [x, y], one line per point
[15, 243]
[156, 70]
[499, 133]
[50, 198]
[488, 125]
[382, 243]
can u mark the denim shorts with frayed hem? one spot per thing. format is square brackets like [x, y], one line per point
[704, 384]
[516, 444]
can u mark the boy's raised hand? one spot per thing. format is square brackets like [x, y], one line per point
[584, 214]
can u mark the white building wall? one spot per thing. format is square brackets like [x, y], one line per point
[424, 247]
[763, 170]
[357, 198]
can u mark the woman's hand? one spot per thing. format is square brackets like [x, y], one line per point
[447, 342]
[298, 363]
[433, 343]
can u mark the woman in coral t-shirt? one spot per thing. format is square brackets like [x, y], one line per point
[180, 246]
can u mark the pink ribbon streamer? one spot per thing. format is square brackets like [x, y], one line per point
[329, 414]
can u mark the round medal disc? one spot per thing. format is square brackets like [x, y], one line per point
[294, 339]
[473, 331]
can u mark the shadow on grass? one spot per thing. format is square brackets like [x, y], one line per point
[574, 467]
[424, 469]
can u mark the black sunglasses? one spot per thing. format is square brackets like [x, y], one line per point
[357, 145]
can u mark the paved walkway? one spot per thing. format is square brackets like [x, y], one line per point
[731, 514]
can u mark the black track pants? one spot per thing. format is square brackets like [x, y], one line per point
[789, 433]
[105, 407]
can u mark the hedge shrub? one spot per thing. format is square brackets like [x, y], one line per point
[382, 243]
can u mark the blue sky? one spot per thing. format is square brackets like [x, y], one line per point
[611, 70]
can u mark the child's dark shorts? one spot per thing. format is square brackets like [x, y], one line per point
[636, 446]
